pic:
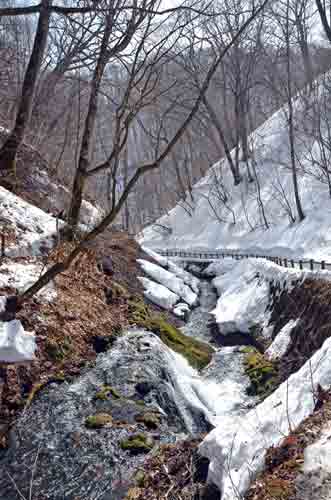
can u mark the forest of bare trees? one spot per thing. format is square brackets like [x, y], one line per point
[132, 101]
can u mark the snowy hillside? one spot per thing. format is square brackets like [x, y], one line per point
[258, 215]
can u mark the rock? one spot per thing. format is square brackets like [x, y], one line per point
[106, 392]
[140, 478]
[101, 344]
[150, 419]
[98, 421]
[8, 308]
[106, 266]
[208, 492]
[137, 443]
[109, 295]
[144, 387]
[201, 465]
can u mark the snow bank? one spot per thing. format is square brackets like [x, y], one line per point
[163, 261]
[280, 344]
[220, 267]
[202, 229]
[187, 277]
[33, 227]
[169, 280]
[245, 292]
[237, 447]
[22, 276]
[244, 297]
[158, 294]
[318, 455]
[16, 345]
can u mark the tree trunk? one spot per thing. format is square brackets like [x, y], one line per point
[89, 126]
[9, 150]
[234, 168]
[300, 212]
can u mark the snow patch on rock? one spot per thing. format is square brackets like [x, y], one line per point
[169, 280]
[16, 345]
[280, 344]
[158, 294]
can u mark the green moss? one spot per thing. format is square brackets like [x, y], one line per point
[263, 374]
[197, 353]
[105, 392]
[119, 291]
[58, 350]
[98, 421]
[137, 443]
[150, 419]
[248, 349]
[140, 478]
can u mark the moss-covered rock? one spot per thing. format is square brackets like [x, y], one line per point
[263, 374]
[107, 392]
[150, 419]
[137, 443]
[197, 353]
[58, 350]
[139, 478]
[98, 421]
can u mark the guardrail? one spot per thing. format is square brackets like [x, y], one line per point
[302, 264]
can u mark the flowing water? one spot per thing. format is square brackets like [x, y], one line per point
[70, 461]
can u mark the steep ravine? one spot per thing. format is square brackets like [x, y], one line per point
[60, 450]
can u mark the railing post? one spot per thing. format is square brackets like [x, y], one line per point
[285, 262]
[323, 264]
[292, 263]
[300, 265]
[311, 264]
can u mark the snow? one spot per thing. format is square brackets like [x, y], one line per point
[163, 261]
[22, 276]
[236, 448]
[181, 310]
[16, 345]
[158, 294]
[169, 280]
[318, 455]
[203, 230]
[33, 227]
[187, 277]
[3, 301]
[219, 267]
[280, 344]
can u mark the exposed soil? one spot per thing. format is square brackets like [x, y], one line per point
[175, 472]
[311, 303]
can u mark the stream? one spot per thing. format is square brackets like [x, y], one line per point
[52, 450]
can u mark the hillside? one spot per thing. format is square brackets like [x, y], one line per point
[256, 215]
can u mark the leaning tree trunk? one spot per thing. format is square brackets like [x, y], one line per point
[9, 150]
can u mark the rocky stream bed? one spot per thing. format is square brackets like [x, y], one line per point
[84, 439]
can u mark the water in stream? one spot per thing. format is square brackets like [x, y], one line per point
[70, 461]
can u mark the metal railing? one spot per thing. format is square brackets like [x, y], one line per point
[209, 256]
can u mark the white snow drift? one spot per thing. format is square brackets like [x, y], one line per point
[237, 447]
[159, 294]
[214, 228]
[16, 345]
